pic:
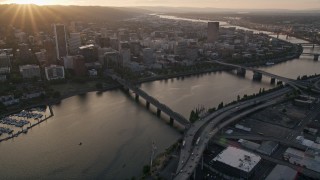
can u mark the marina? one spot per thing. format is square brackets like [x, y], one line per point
[19, 123]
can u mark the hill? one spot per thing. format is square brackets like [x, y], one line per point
[29, 17]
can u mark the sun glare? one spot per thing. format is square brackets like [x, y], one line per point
[37, 2]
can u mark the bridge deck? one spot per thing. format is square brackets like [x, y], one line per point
[176, 116]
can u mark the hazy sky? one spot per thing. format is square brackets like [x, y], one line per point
[234, 4]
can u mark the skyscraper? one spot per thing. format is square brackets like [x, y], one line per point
[61, 40]
[213, 32]
[74, 43]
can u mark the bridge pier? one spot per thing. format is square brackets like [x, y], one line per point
[241, 72]
[137, 97]
[273, 81]
[257, 76]
[171, 121]
[147, 105]
[158, 112]
[316, 57]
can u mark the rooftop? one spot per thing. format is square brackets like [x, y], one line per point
[238, 158]
[281, 172]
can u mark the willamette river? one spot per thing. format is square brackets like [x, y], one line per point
[116, 133]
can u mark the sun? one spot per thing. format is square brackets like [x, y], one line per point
[37, 2]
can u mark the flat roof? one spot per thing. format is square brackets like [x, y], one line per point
[281, 172]
[238, 158]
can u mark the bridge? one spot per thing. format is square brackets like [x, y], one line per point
[308, 44]
[174, 116]
[315, 55]
[241, 70]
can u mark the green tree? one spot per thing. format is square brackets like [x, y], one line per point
[56, 94]
[146, 169]
[99, 85]
[2, 108]
[220, 106]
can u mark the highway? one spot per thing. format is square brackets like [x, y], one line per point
[190, 155]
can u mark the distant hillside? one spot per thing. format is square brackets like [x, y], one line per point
[165, 9]
[26, 16]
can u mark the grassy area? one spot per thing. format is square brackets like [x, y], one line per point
[72, 87]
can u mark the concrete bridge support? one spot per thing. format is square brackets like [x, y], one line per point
[171, 121]
[137, 97]
[147, 105]
[316, 57]
[257, 76]
[273, 80]
[241, 72]
[158, 112]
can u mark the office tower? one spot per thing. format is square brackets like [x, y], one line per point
[74, 43]
[148, 57]
[180, 48]
[125, 52]
[61, 40]
[213, 32]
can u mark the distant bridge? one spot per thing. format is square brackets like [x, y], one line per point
[315, 55]
[241, 70]
[174, 116]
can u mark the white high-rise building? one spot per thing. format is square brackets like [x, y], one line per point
[30, 71]
[54, 72]
[74, 43]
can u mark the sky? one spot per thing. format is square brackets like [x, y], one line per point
[230, 4]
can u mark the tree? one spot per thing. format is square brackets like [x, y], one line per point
[146, 169]
[238, 98]
[2, 107]
[211, 110]
[99, 85]
[193, 116]
[220, 105]
[56, 94]
[298, 78]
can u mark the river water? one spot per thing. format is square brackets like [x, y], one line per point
[116, 133]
